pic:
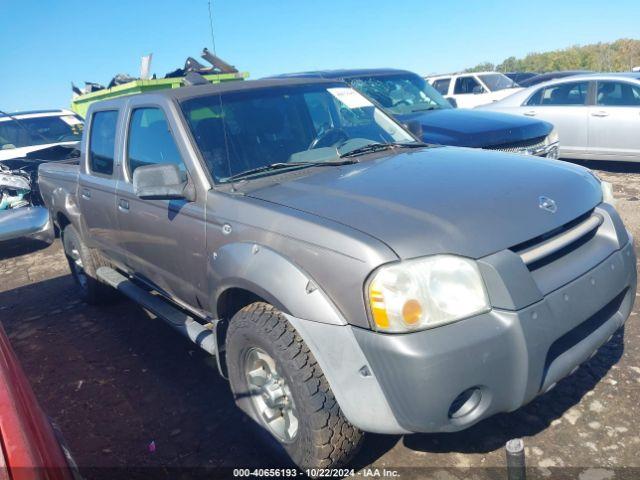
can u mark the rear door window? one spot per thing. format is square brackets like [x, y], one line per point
[618, 94]
[102, 142]
[150, 141]
[466, 85]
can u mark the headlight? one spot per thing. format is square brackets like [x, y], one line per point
[553, 137]
[607, 190]
[607, 193]
[426, 292]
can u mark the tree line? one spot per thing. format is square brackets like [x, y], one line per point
[619, 56]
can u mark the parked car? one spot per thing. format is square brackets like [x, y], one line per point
[31, 448]
[545, 77]
[412, 101]
[472, 89]
[25, 132]
[28, 139]
[596, 115]
[347, 277]
[520, 76]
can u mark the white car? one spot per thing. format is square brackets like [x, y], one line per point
[597, 116]
[470, 90]
[25, 132]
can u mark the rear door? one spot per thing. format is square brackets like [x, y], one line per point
[614, 121]
[164, 239]
[97, 183]
[565, 105]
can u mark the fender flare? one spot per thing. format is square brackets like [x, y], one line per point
[282, 283]
[62, 202]
[271, 276]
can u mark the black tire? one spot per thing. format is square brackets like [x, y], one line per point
[83, 263]
[324, 438]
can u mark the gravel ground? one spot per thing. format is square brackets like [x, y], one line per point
[115, 381]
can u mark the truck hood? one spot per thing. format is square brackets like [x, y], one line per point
[464, 127]
[441, 200]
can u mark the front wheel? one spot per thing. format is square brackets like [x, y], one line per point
[276, 379]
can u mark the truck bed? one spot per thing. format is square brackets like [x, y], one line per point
[53, 176]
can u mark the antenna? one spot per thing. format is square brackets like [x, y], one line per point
[213, 38]
[224, 126]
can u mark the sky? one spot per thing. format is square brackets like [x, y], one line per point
[47, 44]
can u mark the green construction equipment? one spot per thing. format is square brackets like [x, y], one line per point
[219, 72]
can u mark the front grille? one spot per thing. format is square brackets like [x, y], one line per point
[552, 245]
[531, 145]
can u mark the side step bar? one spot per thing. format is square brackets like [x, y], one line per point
[202, 335]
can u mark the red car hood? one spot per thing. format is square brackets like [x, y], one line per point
[29, 448]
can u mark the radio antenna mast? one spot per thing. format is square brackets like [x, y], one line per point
[213, 38]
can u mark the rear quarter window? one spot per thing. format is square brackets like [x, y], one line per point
[102, 141]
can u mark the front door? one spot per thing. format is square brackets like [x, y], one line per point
[565, 106]
[469, 92]
[165, 239]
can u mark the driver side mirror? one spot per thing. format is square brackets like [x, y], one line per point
[478, 89]
[453, 102]
[163, 181]
[414, 127]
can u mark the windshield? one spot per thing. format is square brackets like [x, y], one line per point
[497, 81]
[401, 94]
[243, 131]
[27, 132]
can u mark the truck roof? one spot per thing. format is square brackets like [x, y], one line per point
[183, 93]
[344, 73]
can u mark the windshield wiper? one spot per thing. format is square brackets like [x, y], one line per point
[285, 165]
[377, 147]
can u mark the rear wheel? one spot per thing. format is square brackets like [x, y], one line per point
[276, 379]
[84, 262]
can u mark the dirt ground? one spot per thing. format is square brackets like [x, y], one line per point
[114, 381]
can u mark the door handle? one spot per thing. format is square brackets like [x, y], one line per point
[600, 114]
[531, 113]
[123, 204]
[86, 193]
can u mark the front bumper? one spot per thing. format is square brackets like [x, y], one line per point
[27, 222]
[503, 359]
[550, 151]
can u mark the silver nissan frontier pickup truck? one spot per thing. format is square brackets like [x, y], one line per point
[347, 277]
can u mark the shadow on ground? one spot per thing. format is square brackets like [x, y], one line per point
[114, 380]
[19, 247]
[609, 166]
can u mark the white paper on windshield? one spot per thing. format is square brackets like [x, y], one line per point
[71, 120]
[350, 97]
